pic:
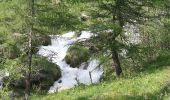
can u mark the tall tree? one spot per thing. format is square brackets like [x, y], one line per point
[28, 74]
[32, 19]
[110, 19]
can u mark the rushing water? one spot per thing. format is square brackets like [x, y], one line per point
[3, 74]
[70, 76]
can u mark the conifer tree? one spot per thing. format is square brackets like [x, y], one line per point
[29, 18]
[112, 15]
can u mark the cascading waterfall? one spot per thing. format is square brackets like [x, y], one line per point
[70, 77]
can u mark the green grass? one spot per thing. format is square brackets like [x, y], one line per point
[147, 85]
[152, 83]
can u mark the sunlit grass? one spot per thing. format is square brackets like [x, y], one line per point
[144, 86]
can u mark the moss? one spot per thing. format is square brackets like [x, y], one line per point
[76, 55]
[47, 73]
[10, 51]
[44, 73]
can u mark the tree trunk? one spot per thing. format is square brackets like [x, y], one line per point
[28, 73]
[116, 61]
[117, 15]
[90, 77]
[27, 87]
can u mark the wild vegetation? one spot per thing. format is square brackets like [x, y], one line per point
[130, 38]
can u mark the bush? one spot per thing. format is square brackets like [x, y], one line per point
[76, 55]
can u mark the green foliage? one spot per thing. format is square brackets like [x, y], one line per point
[77, 55]
[11, 51]
[2, 38]
[14, 46]
[54, 18]
[165, 36]
[15, 70]
[106, 19]
[107, 64]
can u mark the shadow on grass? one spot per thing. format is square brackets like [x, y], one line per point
[163, 61]
[160, 63]
[83, 98]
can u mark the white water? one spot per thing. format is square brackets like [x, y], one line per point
[70, 76]
[3, 74]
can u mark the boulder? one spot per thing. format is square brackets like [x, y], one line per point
[84, 17]
[76, 55]
[44, 74]
[39, 40]
[47, 74]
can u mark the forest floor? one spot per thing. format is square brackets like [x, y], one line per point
[150, 84]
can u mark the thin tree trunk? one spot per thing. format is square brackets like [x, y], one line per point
[28, 74]
[90, 78]
[116, 13]
[116, 61]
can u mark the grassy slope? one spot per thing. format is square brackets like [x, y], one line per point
[152, 84]
[148, 85]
